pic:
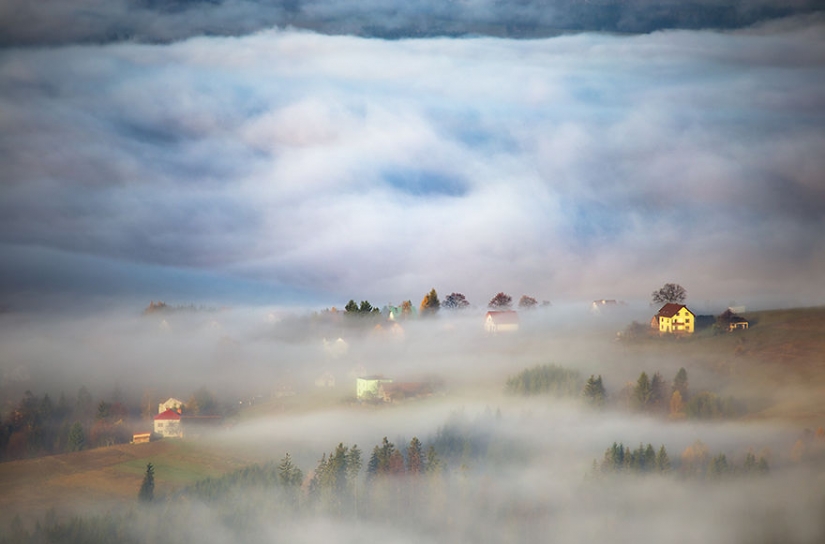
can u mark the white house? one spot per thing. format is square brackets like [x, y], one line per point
[167, 424]
[171, 404]
[501, 321]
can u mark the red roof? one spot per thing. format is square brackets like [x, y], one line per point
[168, 414]
[670, 309]
[504, 317]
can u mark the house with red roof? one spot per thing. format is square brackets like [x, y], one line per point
[501, 321]
[674, 319]
[168, 424]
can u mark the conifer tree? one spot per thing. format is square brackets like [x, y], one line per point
[288, 474]
[433, 465]
[642, 392]
[680, 384]
[77, 440]
[658, 394]
[354, 463]
[147, 488]
[662, 461]
[415, 457]
[594, 392]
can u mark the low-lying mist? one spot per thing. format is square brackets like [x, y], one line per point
[510, 466]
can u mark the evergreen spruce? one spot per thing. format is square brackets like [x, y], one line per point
[147, 488]
[77, 439]
[594, 393]
[642, 393]
[680, 384]
[662, 461]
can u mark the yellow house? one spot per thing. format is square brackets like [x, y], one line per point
[675, 319]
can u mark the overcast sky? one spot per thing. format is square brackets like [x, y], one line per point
[285, 166]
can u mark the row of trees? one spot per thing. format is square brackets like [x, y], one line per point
[652, 395]
[695, 462]
[431, 305]
[545, 379]
[39, 426]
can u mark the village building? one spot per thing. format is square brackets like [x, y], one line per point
[674, 319]
[141, 438]
[737, 323]
[396, 392]
[168, 424]
[367, 387]
[171, 404]
[501, 321]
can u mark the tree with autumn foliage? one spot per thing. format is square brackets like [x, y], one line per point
[430, 304]
[501, 301]
[455, 301]
[527, 303]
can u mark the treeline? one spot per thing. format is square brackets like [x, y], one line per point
[407, 483]
[37, 426]
[544, 380]
[652, 395]
[695, 462]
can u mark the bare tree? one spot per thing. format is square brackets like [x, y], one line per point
[670, 292]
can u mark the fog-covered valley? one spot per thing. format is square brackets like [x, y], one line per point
[506, 466]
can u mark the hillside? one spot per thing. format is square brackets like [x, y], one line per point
[779, 360]
[778, 365]
[113, 474]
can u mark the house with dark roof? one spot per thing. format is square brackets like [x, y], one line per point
[674, 319]
[737, 322]
[501, 321]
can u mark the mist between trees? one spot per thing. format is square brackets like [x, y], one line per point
[648, 395]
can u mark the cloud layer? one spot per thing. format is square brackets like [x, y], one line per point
[54, 22]
[576, 166]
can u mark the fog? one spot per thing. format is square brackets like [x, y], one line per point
[528, 474]
[256, 165]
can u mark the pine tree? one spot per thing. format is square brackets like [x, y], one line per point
[433, 465]
[147, 488]
[288, 474]
[658, 394]
[594, 392]
[415, 457]
[680, 384]
[77, 440]
[642, 392]
[662, 461]
[354, 463]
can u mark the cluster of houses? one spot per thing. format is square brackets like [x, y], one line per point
[677, 319]
[170, 422]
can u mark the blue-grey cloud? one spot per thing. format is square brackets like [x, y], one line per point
[570, 166]
[51, 22]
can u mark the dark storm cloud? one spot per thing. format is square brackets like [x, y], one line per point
[53, 22]
[367, 168]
